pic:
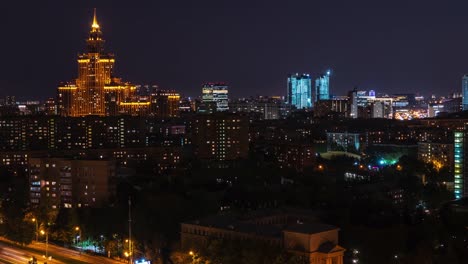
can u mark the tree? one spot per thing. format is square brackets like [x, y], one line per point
[13, 208]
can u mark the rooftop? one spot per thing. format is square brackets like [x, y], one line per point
[310, 228]
[232, 223]
[299, 222]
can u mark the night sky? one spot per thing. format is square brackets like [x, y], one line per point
[389, 46]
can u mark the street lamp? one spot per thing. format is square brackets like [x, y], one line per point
[47, 243]
[37, 227]
[78, 229]
[129, 254]
[194, 256]
[355, 256]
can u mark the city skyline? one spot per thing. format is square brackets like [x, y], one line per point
[406, 49]
[227, 132]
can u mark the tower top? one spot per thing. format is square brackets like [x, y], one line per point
[95, 25]
[95, 41]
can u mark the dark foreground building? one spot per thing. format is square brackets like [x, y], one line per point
[296, 233]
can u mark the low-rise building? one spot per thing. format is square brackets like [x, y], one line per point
[295, 233]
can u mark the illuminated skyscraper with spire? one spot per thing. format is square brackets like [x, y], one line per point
[94, 72]
[95, 91]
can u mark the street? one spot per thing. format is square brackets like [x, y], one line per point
[12, 254]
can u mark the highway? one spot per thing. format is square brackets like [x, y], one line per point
[12, 254]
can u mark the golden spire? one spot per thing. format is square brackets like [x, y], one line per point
[95, 22]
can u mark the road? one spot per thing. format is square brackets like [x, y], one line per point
[12, 254]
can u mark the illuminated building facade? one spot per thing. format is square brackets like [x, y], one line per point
[135, 108]
[165, 104]
[461, 162]
[337, 106]
[22, 133]
[96, 92]
[347, 142]
[50, 107]
[216, 94]
[67, 183]
[322, 87]
[263, 108]
[221, 136]
[94, 71]
[353, 103]
[439, 154]
[118, 96]
[363, 104]
[65, 94]
[465, 92]
[299, 91]
[294, 156]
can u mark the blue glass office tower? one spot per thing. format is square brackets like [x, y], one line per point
[465, 92]
[322, 87]
[299, 91]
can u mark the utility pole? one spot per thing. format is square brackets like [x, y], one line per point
[37, 229]
[47, 245]
[46, 233]
[130, 244]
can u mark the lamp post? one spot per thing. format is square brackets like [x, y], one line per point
[128, 254]
[194, 256]
[130, 244]
[47, 243]
[78, 229]
[37, 227]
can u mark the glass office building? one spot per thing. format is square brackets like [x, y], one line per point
[299, 91]
[218, 94]
[322, 87]
[465, 92]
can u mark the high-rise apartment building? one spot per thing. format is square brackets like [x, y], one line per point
[216, 95]
[322, 87]
[165, 104]
[337, 106]
[264, 108]
[460, 148]
[220, 136]
[353, 103]
[67, 183]
[439, 154]
[465, 92]
[299, 91]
